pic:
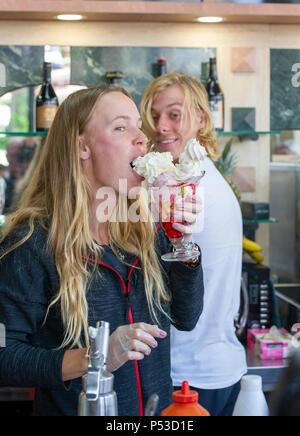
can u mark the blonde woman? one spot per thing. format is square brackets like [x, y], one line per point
[174, 109]
[64, 267]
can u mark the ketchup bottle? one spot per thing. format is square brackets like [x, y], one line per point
[185, 403]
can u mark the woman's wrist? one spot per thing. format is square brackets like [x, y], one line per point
[194, 262]
[75, 364]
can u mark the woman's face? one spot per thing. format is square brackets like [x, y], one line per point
[111, 141]
[173, 122]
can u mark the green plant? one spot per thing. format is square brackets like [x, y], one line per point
[3, 142]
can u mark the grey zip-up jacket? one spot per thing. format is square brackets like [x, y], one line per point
[29, 281]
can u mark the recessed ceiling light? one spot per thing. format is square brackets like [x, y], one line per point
[210, 19]
[70, 17]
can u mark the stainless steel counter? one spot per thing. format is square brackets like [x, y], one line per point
[285, 235]
[270, 370]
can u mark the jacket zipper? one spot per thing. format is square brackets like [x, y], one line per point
[126, 292]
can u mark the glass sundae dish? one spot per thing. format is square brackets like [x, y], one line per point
[169, 184]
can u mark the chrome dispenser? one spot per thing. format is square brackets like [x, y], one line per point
[98, 397]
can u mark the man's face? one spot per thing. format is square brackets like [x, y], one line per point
[173, 122]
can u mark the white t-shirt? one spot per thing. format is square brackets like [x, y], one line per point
[211, 356]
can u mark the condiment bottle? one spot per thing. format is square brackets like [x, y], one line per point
[185, 403]
[251, 400]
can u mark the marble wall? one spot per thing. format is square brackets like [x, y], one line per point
[90, 64]
[285, 89]
[20, 66]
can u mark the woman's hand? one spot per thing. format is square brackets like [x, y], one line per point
[129, 342]
[132, 342]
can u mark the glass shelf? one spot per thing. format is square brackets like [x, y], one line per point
[237, 133]
[249, 132]
[269, 220]
[24, 133]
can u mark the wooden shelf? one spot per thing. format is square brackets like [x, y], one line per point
[150, 11]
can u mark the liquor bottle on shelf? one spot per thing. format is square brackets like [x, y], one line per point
[215, 96]
[46, 102]
[161, 66]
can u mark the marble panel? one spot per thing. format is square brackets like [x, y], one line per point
[243, 59]
[20, 66]
[245, 178]
[243, 118]
[285, 89]
[138, 65]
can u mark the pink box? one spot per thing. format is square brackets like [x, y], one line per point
[267, 349]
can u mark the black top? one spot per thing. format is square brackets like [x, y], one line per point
[29, 281]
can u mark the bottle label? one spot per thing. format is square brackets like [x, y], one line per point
[45, 115]
[216, 107]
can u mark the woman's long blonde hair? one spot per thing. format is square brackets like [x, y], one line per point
[195, 99]
[58, 197]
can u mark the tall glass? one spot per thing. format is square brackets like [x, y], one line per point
[184, 247]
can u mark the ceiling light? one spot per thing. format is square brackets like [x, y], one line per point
[210, 19]
[70, 17]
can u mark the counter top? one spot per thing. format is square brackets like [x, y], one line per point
[270, 370]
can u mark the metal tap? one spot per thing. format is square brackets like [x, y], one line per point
[98, 397]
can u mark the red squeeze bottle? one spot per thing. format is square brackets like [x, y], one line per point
[185, 403]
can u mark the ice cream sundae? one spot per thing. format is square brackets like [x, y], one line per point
[155, 164]
[178, 180]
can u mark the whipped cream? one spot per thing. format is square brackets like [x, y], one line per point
[153, 164]
[190, 163]
[190, 160]
[193, 152]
